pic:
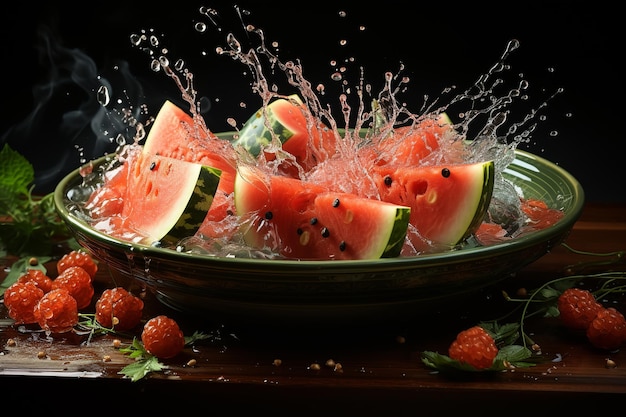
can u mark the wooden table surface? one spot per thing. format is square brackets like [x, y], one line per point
[273, 370]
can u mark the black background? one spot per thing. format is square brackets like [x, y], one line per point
[576, 47]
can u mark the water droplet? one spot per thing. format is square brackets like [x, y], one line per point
[155, 66]
[200, 27]
[233, 43]
[343, 42]
[336, 76]
[103, 96]
[136, 39]
[342, 13]
[179, 65]
[154, 41]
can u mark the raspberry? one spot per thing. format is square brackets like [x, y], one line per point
[577, 308]
[475, 347]
[37, 277]
[162, 337]
[608, 329]
[78, 258]
[118, 308]
[57, 312]
[78, 283]
[20, 299]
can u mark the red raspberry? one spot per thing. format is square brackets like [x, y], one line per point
[118, 308]
[37, 277]
[20, 299]
[78, 258]
[78, 283]
[608, 329]
[475, 347]
[577, 308]
[57, 312]
[162, 337]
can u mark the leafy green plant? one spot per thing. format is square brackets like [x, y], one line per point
[29, 225]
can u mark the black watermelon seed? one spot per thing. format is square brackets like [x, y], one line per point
[152, 165]
[342, 245]
[388, 181]
[269, 215]
[325, 232]
[313, 220]
[299, 231]
[445, 172]
[336, 202]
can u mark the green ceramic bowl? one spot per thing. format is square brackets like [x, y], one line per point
[277, 291]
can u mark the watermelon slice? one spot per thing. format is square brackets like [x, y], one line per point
[166, 198]
[448, 203]
[175, 134]
[306, 221]
[288, 124]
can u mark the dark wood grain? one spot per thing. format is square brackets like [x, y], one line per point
[271, 369]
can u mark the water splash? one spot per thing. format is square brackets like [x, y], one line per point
[359, 115]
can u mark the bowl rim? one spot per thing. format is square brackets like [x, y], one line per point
[329, 266]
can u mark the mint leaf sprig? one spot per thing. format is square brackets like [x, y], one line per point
[146, 363]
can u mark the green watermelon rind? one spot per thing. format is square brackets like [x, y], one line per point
[259, 130]
[198, 204]
[397, 236]
[489, 172]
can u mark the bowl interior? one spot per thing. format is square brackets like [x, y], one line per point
[298, 291]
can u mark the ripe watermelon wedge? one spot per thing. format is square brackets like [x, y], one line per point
[166, 198]
[287, 125]
[306, 221]
[175, 134]
[448, 203]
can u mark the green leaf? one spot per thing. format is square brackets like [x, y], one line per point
[19, 267]
[16, 174]
[445, 363]
[197, 336]
[142, 367]
[513, 353]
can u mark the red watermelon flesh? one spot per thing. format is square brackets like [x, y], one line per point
[448, 203]
[306, 221]
[410, 145]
